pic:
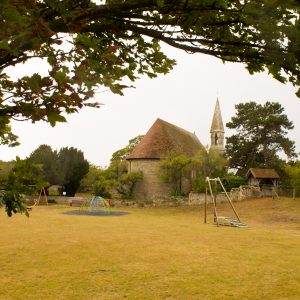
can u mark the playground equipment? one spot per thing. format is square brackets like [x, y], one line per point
[218, 220]
[37, 201]
[97, 203]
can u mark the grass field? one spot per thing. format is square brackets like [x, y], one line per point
[152, 253]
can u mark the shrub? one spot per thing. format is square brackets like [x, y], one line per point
[199, 185]
[233, 181]
[103, 187]
[127, 182]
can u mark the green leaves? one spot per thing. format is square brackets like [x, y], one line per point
[293, 171]
[11, 14]
[34, 82]
[160, 3]
[261, 135]
[6, 136]
[23, 179]
[123, 153]
[173, 168]
[55, 117]
[85, 48]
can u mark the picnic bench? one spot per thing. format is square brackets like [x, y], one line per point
[76, 202]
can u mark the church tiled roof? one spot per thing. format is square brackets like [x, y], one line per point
[164, 137]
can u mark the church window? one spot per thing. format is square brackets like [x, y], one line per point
[216, 139]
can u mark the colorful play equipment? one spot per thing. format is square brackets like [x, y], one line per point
[219, 220]
[97, 203]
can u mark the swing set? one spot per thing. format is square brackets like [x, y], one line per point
[220, 220]
[36, 202]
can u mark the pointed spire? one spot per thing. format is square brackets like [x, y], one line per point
[217, 122]
[217, 129]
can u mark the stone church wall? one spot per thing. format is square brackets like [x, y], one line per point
[151, 185]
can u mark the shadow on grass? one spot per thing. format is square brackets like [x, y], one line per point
[98, 213]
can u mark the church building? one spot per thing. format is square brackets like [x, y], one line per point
[161, 139]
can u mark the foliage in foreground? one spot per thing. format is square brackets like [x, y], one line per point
[24, 179]
[85, 45]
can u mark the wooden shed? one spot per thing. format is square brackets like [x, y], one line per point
[262, 177]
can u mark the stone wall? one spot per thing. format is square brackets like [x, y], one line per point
[236, 194]
[199, 198]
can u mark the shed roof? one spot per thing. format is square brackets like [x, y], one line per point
[262, 173]
[164, 137]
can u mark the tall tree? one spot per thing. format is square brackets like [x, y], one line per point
[74, 167]
[86, 45]
[88, 182]
[122, 154]
[118, 164]
[48, 158]
[261, 134]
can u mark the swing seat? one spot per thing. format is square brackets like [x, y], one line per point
[30, 207]
[228, 221]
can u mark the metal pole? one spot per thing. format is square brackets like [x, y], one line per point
[229, 199]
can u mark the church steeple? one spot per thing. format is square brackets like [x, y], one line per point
[217, 128]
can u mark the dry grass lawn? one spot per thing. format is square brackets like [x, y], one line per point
[152, 253]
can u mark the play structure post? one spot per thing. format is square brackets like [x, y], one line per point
[229, 200]
[205, 204]
[213, 201]
[45, 195]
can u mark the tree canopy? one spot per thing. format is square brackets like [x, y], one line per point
[74, 167]
[87, 44]
[122, 154]
[293, 172]
[45, 156]
[173, 168]
[210, 162]
[261, 134]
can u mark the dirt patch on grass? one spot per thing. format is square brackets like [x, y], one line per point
[283, 219]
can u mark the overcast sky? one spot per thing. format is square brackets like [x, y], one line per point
[185, 97]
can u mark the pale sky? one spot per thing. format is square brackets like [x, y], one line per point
[185, 97]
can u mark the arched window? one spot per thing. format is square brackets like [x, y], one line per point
[216, 139]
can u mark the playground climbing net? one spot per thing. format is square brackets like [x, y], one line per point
[95, 204]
